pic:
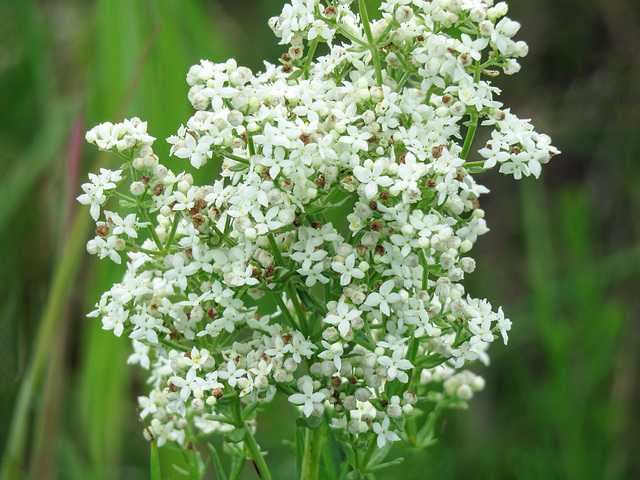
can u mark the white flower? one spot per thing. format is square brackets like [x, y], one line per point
[348, 270]
[372, 179]
[332, 353]
[504, 325]
[197, 150]
[384, 435]
[320, 29]
[180, 271]
[343, 317]
[313, 275]
[307, 398]
[395, 365]
[95, 191]
[383, 297]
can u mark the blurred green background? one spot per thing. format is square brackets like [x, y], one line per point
[562, 256]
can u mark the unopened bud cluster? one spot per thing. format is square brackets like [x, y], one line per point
[249, 287]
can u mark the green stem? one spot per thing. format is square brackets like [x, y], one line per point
[223, 237]
[254, 451]
[312, 52]
[312, 452]
[276, 250]
[302, 316]
[471, 132]
[231, 156]
[124, 196]
[413, 349]
[479, 163]
[138, 248]
[342, 31]
[285, 311]
[174, 345]
[172, 233]
[374, 49]
[425, 269]
[359, 341]
[368, 454]
[426, 433]
[152, 230]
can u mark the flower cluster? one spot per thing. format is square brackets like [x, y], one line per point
[326, 263]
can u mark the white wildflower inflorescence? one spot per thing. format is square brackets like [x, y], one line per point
[326, 264]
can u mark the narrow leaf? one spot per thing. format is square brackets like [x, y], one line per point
[155, 462]
[217, 463]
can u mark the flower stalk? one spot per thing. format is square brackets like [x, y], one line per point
[312, 452]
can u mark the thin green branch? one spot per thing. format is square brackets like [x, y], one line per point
[479, 163]
[174, 345]
[275, 249]
[285, 311]
[236, 158]
[364, 15]
[256, 455]
[172, 233]
[152, 231]
[302, 316]
[344, 32]
[312, 51]
[124, 196]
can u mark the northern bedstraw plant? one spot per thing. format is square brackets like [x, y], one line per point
[243, 290]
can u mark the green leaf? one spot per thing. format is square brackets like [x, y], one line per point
[431, 361]
[217, 463]
[380, 466]
[312, 422]
[236, 435]
[180, 470]
[295, 74]
[155, 462]
[247, 412]
[299, 450]
[312, 303]
[347, 448]
[379, 456]
[237, 467]
[333, 454]
[452, 32]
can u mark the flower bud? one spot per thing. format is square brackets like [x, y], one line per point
[477, 383]
[394, 410]
[354, 426]
[464, 392]
[363, 394]
[478, 13]
[290, 364]
[349, 402]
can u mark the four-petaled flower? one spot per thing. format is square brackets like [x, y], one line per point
[307, 398]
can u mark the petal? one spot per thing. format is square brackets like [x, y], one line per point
[308, 408]
[297, 398]
[370, 190]
[317, 397]
[343, 328]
